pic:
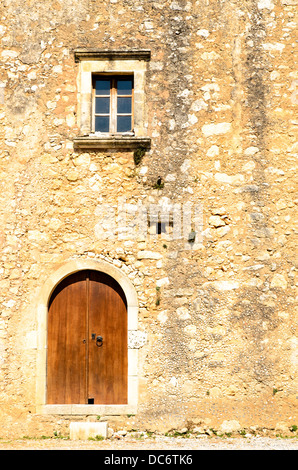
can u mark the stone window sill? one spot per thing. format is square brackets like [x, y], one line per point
[112, 142]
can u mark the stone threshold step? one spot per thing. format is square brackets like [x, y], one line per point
[85, 431]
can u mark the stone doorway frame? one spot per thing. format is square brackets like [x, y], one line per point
[41, 361]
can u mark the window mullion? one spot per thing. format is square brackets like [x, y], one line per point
[113, 116]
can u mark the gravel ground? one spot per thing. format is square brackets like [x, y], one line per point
[157, 443]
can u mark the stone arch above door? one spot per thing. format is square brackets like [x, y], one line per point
[132, 320]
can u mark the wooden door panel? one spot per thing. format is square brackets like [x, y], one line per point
[66, 369]
[107, 318]
[78, 371]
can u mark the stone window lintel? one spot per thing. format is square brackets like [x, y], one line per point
[116, 54]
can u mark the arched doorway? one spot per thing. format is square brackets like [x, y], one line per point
[42, 301]
[87, 341]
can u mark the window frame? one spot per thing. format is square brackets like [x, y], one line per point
[111, 62]
[113, 114]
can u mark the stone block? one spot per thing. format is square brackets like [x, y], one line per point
[84, 431]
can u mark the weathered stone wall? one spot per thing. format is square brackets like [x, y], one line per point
[221, 94]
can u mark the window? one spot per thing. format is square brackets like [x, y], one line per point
[113, 104]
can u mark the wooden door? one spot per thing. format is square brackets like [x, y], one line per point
[82, 368]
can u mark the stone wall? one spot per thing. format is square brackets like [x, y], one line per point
[221, 101]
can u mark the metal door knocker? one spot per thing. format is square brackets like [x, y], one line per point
[99, 341]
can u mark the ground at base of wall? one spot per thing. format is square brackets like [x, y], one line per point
[157, 442]
[191, 438]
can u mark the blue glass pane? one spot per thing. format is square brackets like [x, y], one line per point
[123, 123]
[102, 87]
[124, 86]
[102, 123]
[102, 105]
[124, 105]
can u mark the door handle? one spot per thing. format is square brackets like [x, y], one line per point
[99, 340]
